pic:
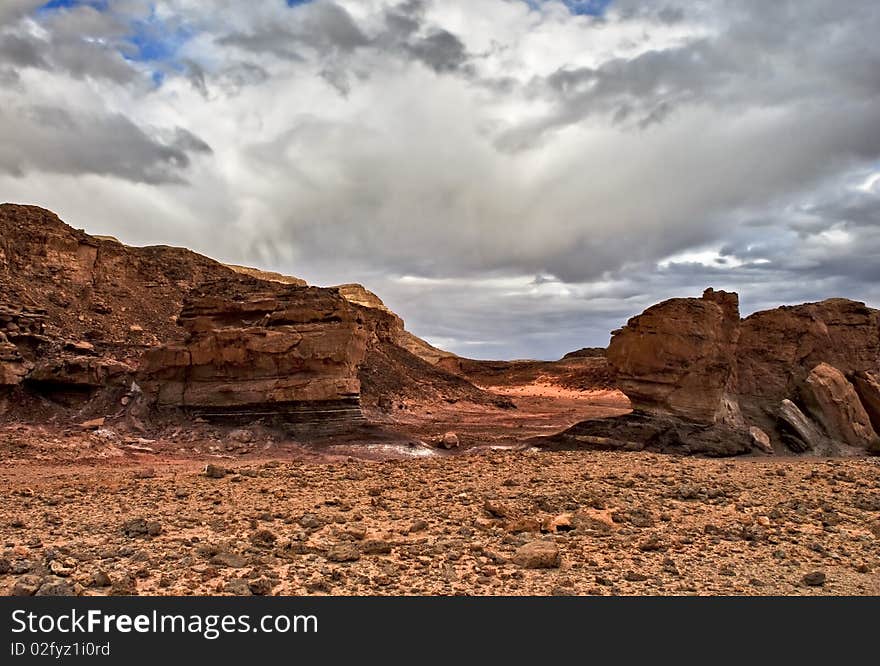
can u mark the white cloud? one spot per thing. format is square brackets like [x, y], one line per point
[446, 153]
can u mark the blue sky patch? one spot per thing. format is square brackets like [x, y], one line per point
[579, 7]
[52, 5]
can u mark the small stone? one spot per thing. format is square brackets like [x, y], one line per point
[214, 471]
[375, 547]
[261, 586]
[519, 525]
[100, 579]
[310, 521]
[241, 436]
[497, 509]
[634, 577]
[449, 441]
[318, 584]
[60, 568]
[56, 587]
[94, 424]
[814, 579]
[652, 545]
[418, 526]
[27, 586]
[124, 586]
[229, 559]
[5, 566]
[238, 587]
[344, 552]
[538, 555]
[263, 538]
[138, 527]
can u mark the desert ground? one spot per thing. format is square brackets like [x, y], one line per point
[234, 512]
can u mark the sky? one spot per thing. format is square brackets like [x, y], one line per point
[515, 178]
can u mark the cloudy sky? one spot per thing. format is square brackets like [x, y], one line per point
[514, 177]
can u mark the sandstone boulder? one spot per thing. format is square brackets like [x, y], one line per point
[678, 356]
[867, 386]
[833, 402]
[538, 555]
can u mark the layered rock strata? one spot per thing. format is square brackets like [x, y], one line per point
[292, 353]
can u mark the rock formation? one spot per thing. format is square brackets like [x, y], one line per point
[291, 353]
[802, 378]
[77, 313]
[867, 385]
[835, 405]
[678, 356]
[779, 348]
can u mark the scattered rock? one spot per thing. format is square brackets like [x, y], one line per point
[814, 579]
[261, 586]
[375, 547]
[227, 558]
[100, 579]
[56, 587]
[138, 527]
[215, 471]
[448, 441]
[238, 587]
[344, 552]
[538, 555]
[418, 525]
[27, 586]
[263, 538]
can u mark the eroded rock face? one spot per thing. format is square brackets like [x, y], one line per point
[834, 403]
[678, 356]
[797, 431]
[292, 352]
[867, 386]
[785, 372]
[13, 367]
[778, 348]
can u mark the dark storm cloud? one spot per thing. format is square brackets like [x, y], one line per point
[80, 41]
[21, 52]
[54, 140]
[330, 30]
[764, 54]
[325, 27]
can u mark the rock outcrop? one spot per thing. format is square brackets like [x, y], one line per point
[78, 312]
[867, 386]
[779, 348]
[833, 402]
[802, 378]
[292, 353]
[13, 366]
[661, 433]
[797, 431]
[678, 356]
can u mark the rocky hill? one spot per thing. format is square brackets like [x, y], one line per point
[80, 313]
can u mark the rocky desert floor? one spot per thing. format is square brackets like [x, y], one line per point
[84, 513]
